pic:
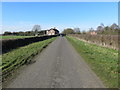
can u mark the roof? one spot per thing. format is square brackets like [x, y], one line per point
[53, 29]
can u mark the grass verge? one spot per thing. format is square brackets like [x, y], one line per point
[103, 61]
[14, 37]
[14, 59]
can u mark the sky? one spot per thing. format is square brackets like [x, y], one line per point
[60, 0]
[22, 16]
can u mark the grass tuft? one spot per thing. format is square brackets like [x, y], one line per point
[14, 37]
[16, 58]
[103, 61]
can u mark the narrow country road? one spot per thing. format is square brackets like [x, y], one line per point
[58, 66]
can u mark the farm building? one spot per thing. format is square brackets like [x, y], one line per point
[52, 31]
[93, 33]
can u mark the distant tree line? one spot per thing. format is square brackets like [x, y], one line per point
[71, 31]
[36, 30]
[27, 33]
[114, 29]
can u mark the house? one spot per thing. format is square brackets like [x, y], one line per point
[52, 31]
[93, 33]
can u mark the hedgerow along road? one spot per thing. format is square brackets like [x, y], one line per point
[58, 66]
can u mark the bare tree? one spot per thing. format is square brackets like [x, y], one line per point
[36, 29]
[77, 30]
[91, 30]
[102, 25]
[114, 26]
[99, 28]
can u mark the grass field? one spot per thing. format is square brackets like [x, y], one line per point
[103, 61]
[22, 55]
[14, 37]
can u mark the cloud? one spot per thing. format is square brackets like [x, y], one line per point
[16, 28]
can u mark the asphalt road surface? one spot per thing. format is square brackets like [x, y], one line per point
[58, 66]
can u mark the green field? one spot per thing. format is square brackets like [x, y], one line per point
[103, 61]
[14, 37]
[22, 55]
